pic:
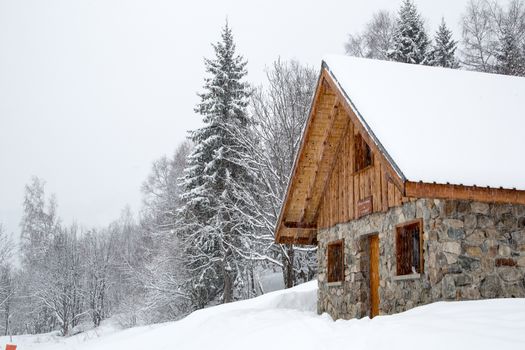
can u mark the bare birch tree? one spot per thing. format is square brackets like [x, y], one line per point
[280, 111]
[376, 40]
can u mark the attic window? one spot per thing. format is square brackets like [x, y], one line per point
[335, 254]
[363, 153]
[409, 248]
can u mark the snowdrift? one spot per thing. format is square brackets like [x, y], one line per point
[287, 320]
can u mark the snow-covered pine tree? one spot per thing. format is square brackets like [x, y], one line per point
[443, 52]
[215, 216]
[510, 58]
[410, 38]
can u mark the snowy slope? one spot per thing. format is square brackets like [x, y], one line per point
[286, 320]
[440, 124]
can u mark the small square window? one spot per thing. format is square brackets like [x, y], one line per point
[409, 248]
[335, 255]
[363, 153]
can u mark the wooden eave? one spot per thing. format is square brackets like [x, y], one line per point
[461, 192]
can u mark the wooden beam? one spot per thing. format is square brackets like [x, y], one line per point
[334, 114]
[332, 165]
[297, 240]
[320, 155]
[460, 192]
[301, 225]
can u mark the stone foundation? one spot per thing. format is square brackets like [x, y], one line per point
[471, 250]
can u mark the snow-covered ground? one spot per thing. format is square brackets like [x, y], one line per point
[287, 320]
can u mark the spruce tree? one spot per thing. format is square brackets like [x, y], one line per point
[510, 59]
[215, 216]
[410, 39]
[444, 48]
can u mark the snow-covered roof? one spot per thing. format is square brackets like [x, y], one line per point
[440, 125]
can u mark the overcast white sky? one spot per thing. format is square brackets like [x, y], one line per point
[91, 92]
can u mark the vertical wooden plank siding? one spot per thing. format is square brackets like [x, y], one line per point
[384, 190]
[346, 187]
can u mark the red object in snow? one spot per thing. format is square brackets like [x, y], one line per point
[10, 347]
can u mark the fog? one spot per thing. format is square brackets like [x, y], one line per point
[91, 92]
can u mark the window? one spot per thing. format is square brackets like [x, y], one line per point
[335, 253]
[409, 248]
[363, 153]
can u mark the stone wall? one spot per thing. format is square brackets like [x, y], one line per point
[471, 250]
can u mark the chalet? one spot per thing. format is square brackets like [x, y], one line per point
[411, 182]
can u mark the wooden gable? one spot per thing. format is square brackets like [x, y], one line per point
[326, 188]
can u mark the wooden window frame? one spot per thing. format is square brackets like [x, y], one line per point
[329, 265]
[359, 141]
[398, 228]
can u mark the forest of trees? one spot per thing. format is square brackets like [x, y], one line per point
[492, 38]
[205, 232]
